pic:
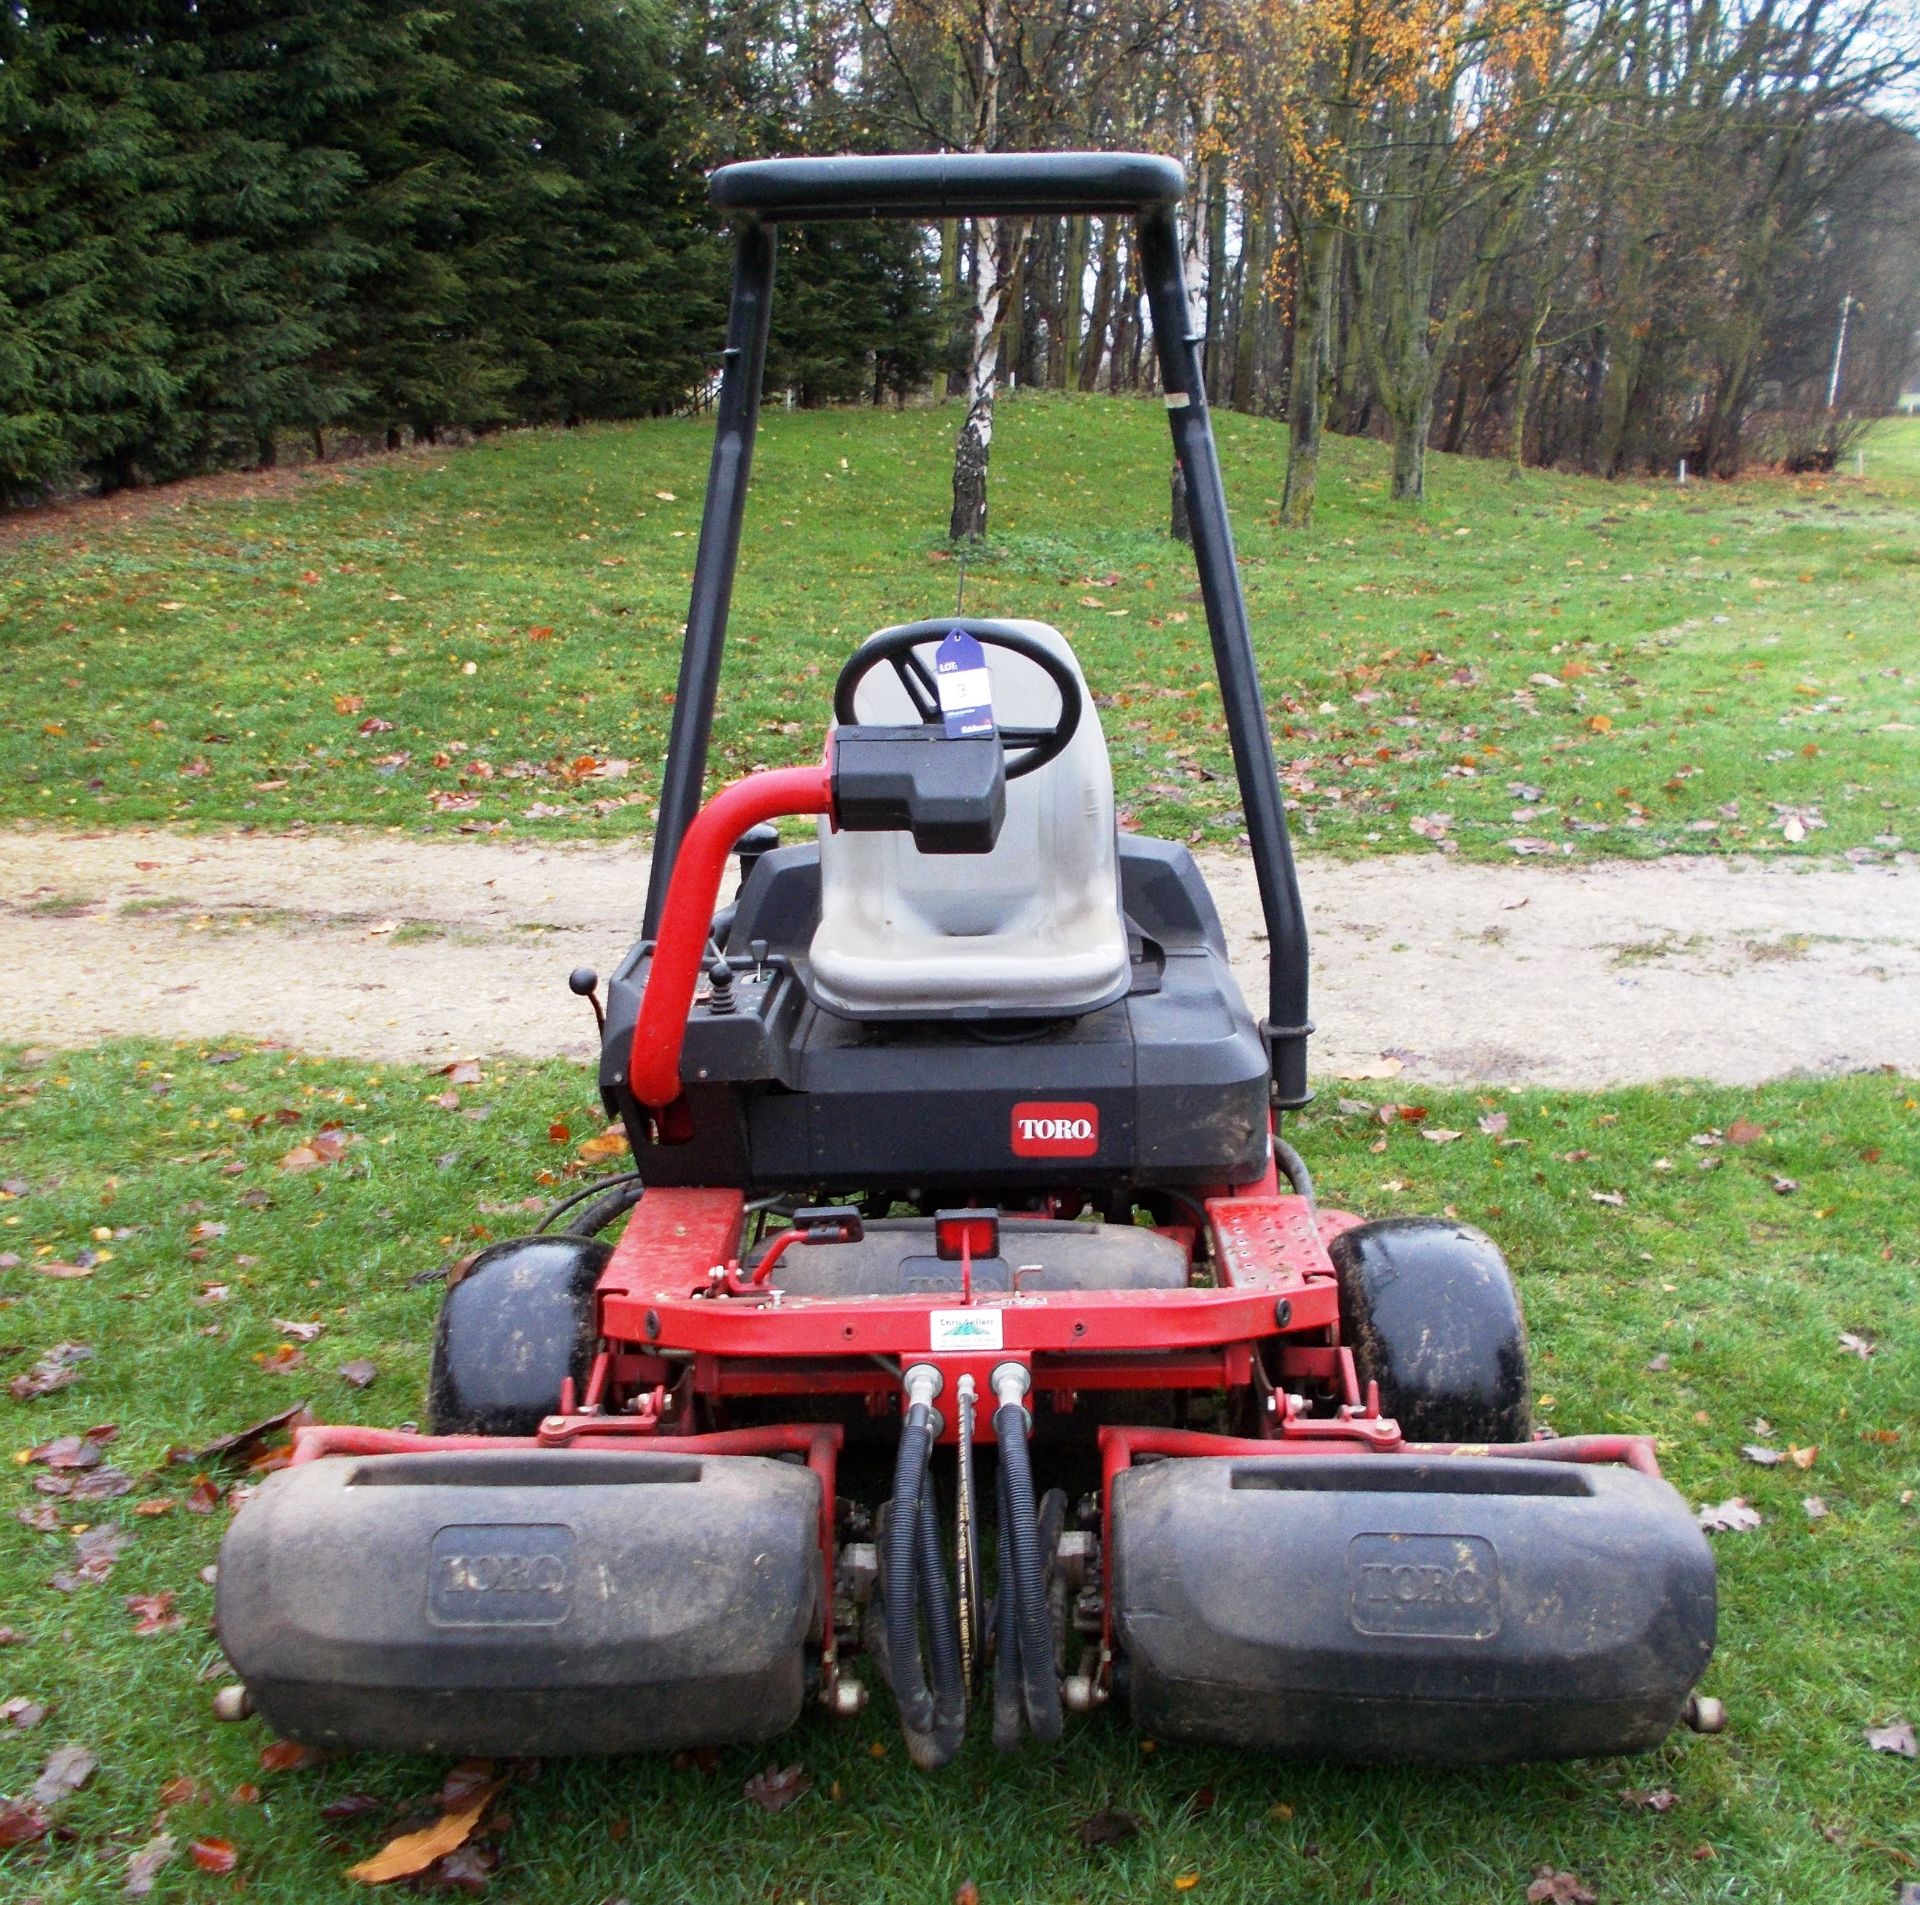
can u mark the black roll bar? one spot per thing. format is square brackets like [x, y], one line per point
[931, 185]
[926, 186]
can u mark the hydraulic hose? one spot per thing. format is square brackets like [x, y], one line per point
[1009, 1703]
[591, 1221]
[943, 1642]
[904, 1668]
[1020, 1538]
[594, 1189]
[933, 1720]
[1293, 1167]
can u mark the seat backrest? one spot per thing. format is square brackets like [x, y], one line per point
[1033, 926]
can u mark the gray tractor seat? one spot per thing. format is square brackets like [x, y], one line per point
[1032, 929]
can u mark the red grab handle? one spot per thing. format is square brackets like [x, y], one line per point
[687, 916]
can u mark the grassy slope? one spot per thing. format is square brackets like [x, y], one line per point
[1743, 1288]
[1671, 668]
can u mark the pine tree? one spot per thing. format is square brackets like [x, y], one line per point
[90, 256]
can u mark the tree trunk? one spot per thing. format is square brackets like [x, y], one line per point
[1410, 452]
[1198, 261]
[973, 446]
[1102, 317]
[1457, 414]
[953, 266]
[1250, 307]
[1072, 302]
[1306, 403]
[1523, 389]
[1013, 313]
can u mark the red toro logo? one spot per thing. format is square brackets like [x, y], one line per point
[1044, 1130]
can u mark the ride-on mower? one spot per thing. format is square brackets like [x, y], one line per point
[964, 1186]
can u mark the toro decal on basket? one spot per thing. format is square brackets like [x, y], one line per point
[1043, 1129]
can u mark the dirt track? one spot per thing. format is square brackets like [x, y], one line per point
[378, 946]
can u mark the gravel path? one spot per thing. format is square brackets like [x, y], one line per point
[379, 946]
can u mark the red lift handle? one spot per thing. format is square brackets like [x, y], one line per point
[686, 920]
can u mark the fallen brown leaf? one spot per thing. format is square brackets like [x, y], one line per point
[466, 1779]
[213, 1855]
[242, 1443]
[22, 1822]
[359, 1373]
[153, 1613]
[1111, 1825]
[778, 1787]
[1654, 1799]
[282, 1756]
[1558, 1888]
[412, 1852]
[1730, 1517]
[68, 1452]
[1895, 1737]
[145, 1865]
[58, 1367]
[68, 1768]
[1744, 1131]
[350, 1806]
[1761, 1457]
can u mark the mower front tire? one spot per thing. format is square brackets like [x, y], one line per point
[1429, 1310]
[511, 1331]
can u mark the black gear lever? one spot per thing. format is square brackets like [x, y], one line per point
[584, 983]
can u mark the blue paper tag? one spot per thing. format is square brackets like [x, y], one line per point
[966, 686]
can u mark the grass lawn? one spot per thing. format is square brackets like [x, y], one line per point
[1708, 1298]
[488, 638]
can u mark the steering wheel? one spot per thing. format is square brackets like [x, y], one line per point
[1025, 748]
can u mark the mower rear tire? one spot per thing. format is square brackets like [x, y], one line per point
[511, 1331]
[1429, 1310]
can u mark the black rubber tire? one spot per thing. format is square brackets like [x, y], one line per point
[1429, 1310]
[510, 1332]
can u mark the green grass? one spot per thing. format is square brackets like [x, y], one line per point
[1745, 1291]
[1714, 668]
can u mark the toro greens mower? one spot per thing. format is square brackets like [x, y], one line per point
[975, 1330]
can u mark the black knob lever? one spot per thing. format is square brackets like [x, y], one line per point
[584, 983]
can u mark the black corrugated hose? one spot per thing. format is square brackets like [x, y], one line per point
[1009, 1701]
[933, 1720]
[1293, 1167]
[1021, 1556]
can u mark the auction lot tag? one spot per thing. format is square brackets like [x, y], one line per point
[964, 1329]
[966, 686]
